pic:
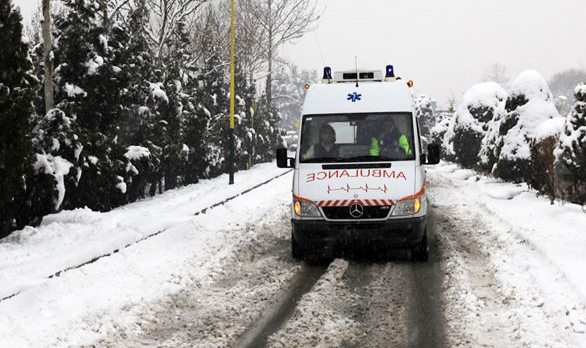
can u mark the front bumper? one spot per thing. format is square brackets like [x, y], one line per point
[393, 233]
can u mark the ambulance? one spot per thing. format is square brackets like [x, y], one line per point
[359, 176]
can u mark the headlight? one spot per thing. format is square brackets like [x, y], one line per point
[408, 207]
[305, 209]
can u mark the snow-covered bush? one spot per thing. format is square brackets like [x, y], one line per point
[529, 104]
[571, 150]
[482, 106]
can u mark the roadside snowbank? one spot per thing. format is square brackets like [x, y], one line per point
[536, 253]
[71, 238]
[118, 296]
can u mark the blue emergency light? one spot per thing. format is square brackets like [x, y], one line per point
[390, 71]
[327, 73]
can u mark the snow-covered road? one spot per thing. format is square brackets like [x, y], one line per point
[507, 269]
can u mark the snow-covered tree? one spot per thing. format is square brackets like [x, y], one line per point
[289, 91]
[447, 127]
[16, 91]
[529, 103]
[276, 22]
[571, 150]
[57, 146]
[478, 113]
[89, 90]
[438, 131]
[496, 72]
[424, 113]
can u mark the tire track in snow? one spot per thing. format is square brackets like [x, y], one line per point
[279, 312]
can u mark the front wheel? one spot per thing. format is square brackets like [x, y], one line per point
[420, 253]
[297, 251]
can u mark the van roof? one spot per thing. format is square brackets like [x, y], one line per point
[368, 97]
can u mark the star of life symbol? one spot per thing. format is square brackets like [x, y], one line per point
[356, 210]
[354, 97]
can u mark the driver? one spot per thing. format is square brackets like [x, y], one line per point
[326, 147]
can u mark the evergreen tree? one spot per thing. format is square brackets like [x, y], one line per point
[571, 150]
[268, 134]
[244, 132]
[16, 95]
[178, 82]
[213, 103]
[89, 91]
[133, 59]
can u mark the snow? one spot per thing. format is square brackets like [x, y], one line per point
[55, 146]
[121, 185]
[487, 94]
[532, 85]
[143, 110]
[158, 92]
[104, 42]
[539, 108]
[93, 160]
[56, 166]
[551, 127]
[534, 296]
[137, 152]
[73, 91]
[113, 297]
[93, 64]
[580, 89]
[536, 250]
[531, 116]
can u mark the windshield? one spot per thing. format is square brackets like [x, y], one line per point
[357, 138]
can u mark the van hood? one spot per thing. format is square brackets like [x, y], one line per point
[368, 186]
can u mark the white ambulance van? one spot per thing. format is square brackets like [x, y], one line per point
[358, 170]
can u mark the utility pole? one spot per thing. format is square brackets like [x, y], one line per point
[232, 82]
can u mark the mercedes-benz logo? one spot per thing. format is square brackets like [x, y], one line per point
[356, 210]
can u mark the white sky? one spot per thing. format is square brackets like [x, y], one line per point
[443, 45]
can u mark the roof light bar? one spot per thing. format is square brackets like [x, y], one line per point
[390, 71]
[327, 73]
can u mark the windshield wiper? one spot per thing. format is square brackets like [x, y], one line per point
[368, 158]
[323, 159]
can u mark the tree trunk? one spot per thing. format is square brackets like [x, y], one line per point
[270, 78]
[270, 59]
[48, 55]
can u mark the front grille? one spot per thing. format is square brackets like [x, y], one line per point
[370, 212]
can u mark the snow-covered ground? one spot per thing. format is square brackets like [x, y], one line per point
[112, 296]
[515, 264]
[511, 269]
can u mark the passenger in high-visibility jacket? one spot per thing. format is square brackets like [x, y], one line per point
[390, 138]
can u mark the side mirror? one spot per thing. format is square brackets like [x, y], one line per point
[433, 154]
[282, 160]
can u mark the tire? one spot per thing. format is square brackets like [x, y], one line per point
[297, 251]
[420, 253]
